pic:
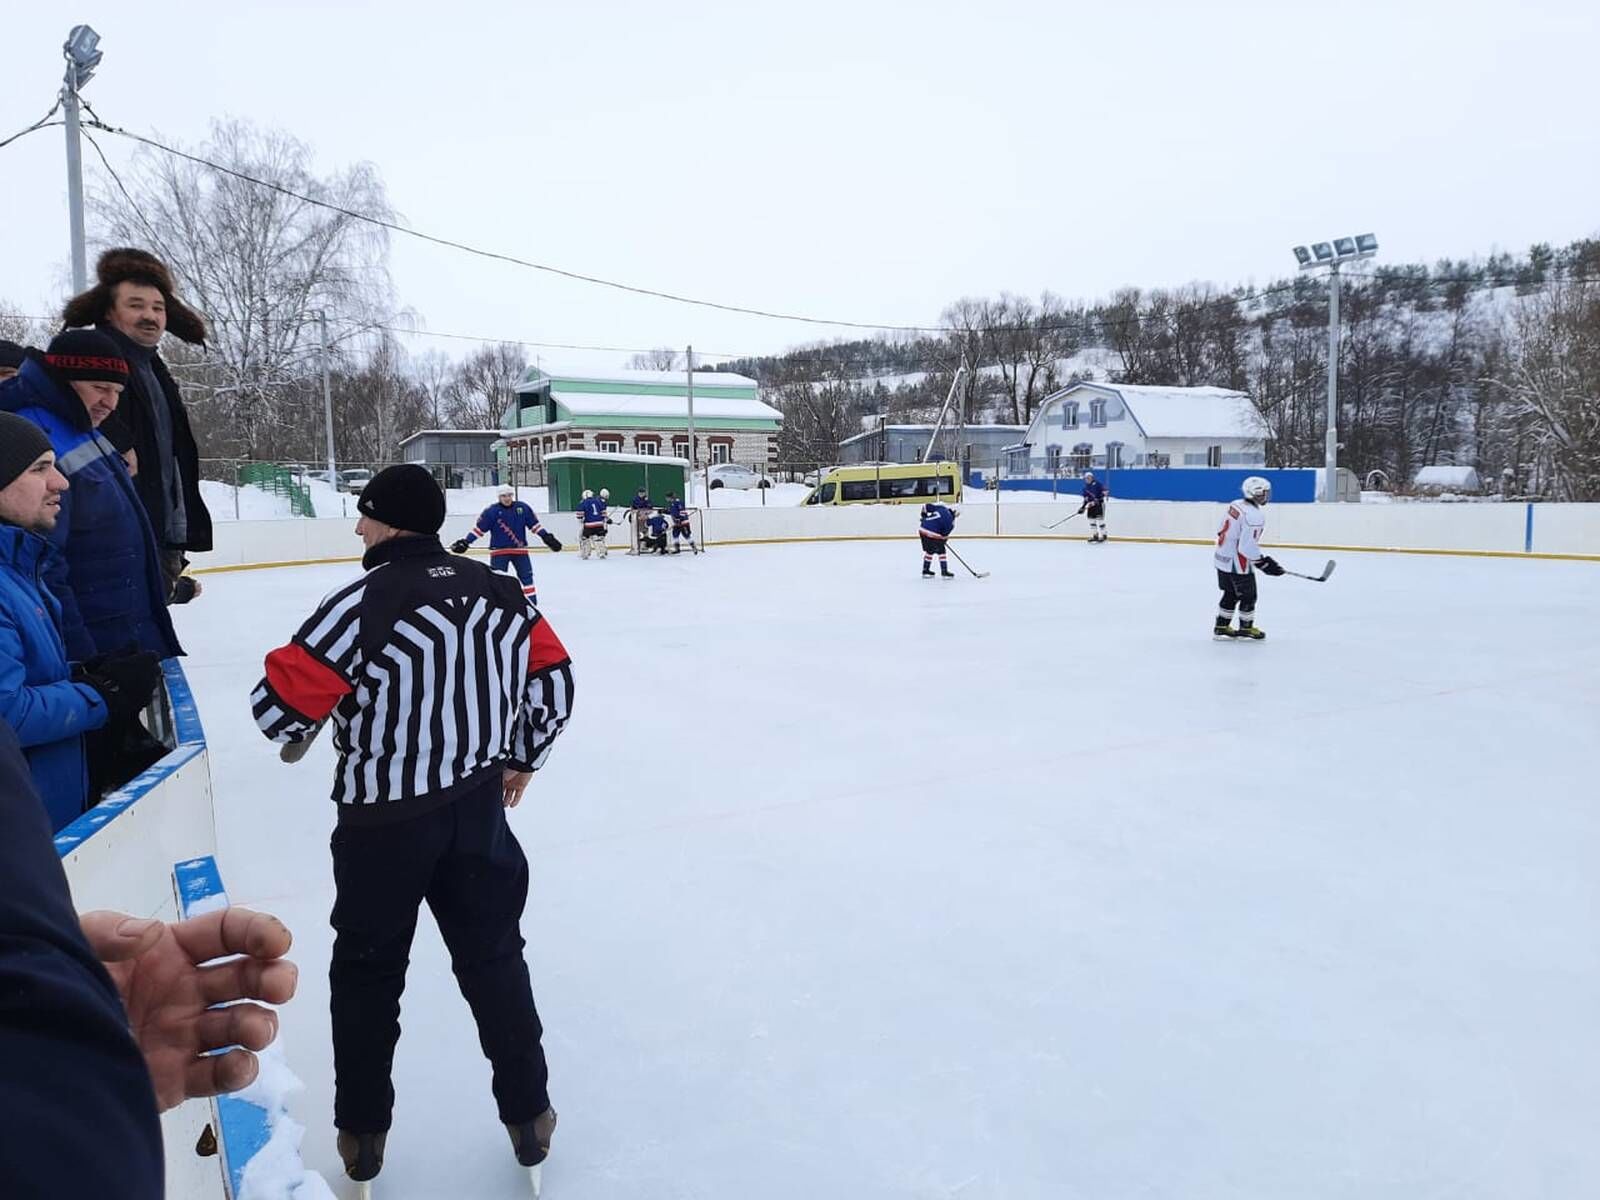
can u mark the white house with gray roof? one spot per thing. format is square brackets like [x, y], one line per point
[1135, 425]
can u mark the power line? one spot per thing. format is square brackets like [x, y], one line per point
[42, 123]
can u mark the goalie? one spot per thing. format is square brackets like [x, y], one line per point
[509, 523]
[654, 536]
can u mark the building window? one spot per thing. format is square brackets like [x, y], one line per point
[651, 448]
[1113, 455]
[1097, 413]
[608, 445]
[561, 441]
[1052, 458]
[1069, 415]
[1080, 456]
[1213, 456]
[720, 452]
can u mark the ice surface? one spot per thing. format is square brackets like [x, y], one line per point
[851, 884]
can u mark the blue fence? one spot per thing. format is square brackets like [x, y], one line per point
[1220, 484]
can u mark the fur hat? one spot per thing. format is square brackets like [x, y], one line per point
[128, 265]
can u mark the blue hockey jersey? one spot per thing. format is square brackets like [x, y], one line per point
[658, 524]
[641, 502]
[1094, 492]
[509, 526]
[938, 521]
[592, 512]
[680, 514]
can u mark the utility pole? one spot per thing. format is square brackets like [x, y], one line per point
[82, 58]
[1330, 456]
[689, 356]
[327, 396]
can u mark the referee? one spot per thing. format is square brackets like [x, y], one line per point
[445, 688]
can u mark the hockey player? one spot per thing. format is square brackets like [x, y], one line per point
[1094, 503]
[639, 511]
[1238, 555]
[938, 522]
[509, 522]
[655, 535]
[681, 527]
[430, 755]
[592, 516]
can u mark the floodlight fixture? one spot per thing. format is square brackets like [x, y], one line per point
[1366, 244]
[1344, 247]
[1323, 251]
[82, 55]
[1304, 256]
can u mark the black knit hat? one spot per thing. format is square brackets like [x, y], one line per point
[21, 444]
[406, 496]
[86, 354]
[11, 354]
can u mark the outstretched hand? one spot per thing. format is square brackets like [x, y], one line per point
[515, 783]
[161, 971]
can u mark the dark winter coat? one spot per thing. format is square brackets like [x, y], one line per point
[38, 699]
[133, 427]
[109, 580]
[79, 1109]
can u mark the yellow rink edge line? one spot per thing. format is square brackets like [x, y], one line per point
[993, 537]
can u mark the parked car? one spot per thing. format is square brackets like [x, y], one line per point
[330, 478]
[354, 480]
[735, 476]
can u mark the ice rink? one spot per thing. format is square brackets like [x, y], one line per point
[852, 884]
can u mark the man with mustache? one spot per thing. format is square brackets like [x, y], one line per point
[133, 303]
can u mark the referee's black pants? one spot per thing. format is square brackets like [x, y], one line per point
[465, 862]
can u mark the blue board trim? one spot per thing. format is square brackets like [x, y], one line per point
[243, 1128]
[1527, 537]
[191, 740]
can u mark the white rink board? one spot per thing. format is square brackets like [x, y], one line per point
[1493, 528]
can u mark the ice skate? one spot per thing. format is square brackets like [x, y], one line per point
[927, 570]
[945, 572]
[531, 1142]
[1222, 630]
[1248, 632]
[362, 1154]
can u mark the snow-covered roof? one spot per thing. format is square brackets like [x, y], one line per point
[1465, 478]
[556, 375]
[658, 459]
[450, 433]
[608, 404]
[1184, 412]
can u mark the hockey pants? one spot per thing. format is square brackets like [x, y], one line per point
[1238, 591]
[521, 565]
[464, 861]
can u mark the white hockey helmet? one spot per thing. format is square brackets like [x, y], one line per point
[605, 493]
[506, 489]
[1089, 475]
[587, 494]
[1257, 489]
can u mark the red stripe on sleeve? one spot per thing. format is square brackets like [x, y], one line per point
[305, 683]
[545, 648]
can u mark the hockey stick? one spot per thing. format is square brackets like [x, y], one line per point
[964, 563]
[1323, 578]
[1063, 520]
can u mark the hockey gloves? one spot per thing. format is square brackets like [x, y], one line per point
[185, 589]
[550, 540]
[459, 546]
[1269, 565]
[125, 679]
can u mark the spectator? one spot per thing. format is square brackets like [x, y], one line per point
[47, 703]
[11, 356]
[110, 585]
[79, 1090]
[133, 303]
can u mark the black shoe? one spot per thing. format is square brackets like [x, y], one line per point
[531, 1139]
[362, 1154]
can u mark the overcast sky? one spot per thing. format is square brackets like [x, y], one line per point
[866, 161]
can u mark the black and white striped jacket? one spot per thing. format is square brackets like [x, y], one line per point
[435, 672]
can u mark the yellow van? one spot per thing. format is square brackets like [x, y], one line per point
[889, 483]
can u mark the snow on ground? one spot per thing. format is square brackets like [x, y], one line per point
[851, 884]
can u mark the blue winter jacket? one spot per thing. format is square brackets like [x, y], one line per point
[109, 582]
[937, 521]
[37, 696]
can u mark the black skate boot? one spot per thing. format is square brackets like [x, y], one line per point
[1248, 632]
[945, 572]
[1222, 629]
[531, 1139]
[362, 1154]
[927, 570]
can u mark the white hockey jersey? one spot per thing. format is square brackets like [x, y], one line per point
[1239, 539]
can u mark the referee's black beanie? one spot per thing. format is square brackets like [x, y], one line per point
[406, 496]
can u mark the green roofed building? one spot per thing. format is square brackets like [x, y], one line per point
[635, 412]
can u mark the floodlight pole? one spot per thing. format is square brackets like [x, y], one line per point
[689, 359]
[1330, 483]
[327, 396]
[69, 105]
